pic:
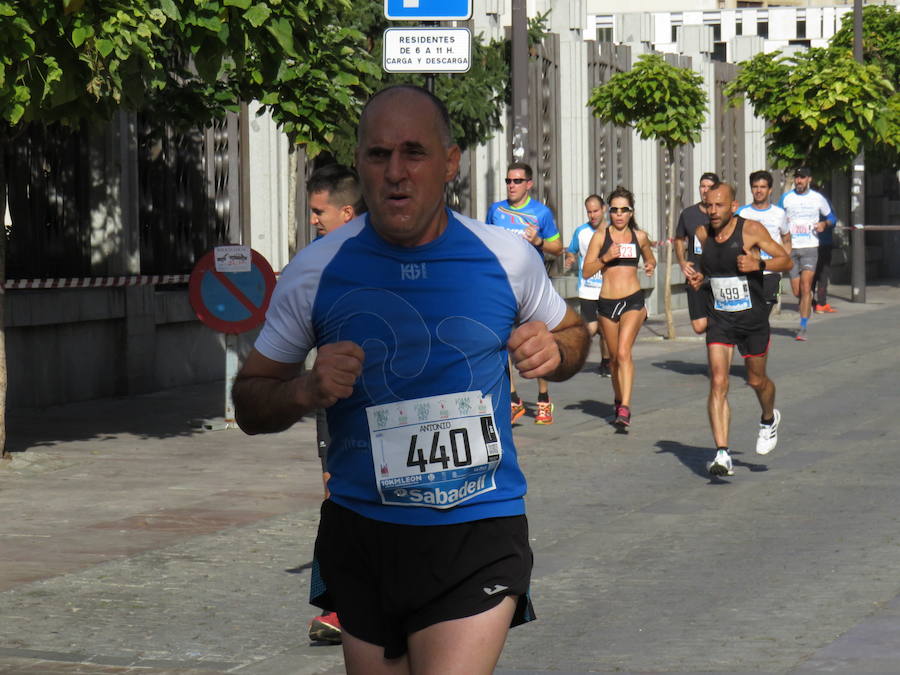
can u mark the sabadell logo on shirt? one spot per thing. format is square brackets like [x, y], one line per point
[439, 497]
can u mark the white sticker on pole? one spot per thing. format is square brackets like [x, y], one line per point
[427, 50]
[232, 258]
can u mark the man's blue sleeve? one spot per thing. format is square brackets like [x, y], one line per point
[548, 226]
[830, 218]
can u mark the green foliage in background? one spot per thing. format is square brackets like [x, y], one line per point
[661, 101]
[822, 107]
[182, 61]
[880, 38]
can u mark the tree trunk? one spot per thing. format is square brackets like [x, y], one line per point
[667, 291]
[3, 452]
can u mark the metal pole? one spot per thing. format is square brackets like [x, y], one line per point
[231, 370]
[858, 189]
[519, 81]
[429, 77]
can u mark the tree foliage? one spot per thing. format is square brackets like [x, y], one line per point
[880, 38]
[661, 101]
[182, 61]
[476, 99]
[822, 107]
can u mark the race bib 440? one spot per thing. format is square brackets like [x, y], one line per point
[438, 451]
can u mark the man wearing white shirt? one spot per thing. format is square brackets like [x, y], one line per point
[589, 289]
[808, 214]
[774, 220]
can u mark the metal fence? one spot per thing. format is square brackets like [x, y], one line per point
[611, 158]
[61, 197]
[47, 171]
[729, 132]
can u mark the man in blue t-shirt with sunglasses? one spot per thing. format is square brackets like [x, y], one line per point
[533, 221]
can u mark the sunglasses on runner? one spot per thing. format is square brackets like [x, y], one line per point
[517, 181]
[620, 209]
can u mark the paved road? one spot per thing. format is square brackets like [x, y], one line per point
[134, 543]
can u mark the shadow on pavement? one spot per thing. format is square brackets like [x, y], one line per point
[738, 369]
[682, 367]
[692, 456]
[787, 332]
[593, 408]
[695, 458]
[164, 414]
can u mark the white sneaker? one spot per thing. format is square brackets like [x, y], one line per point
[721, 465]
[768, 436]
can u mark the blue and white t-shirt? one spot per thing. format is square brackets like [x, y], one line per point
[588, 289]
[516, 219]
[803, 212]
[773, 219]
[416, 442]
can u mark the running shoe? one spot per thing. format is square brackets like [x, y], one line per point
[325, 628]
[603, 369]
[721, 465]
[801, 335]
[825, 309]
[623, 416]
[544, 413]
[518, 409]
[768, 436]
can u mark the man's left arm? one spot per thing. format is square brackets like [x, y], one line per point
[551, 240]
[554, 355]
[756, 234]
[828, 219]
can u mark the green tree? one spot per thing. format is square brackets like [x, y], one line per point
[663, 103]
[880, 38]
[476, 99]
[184, 62]
[822, 107]
[181, 61]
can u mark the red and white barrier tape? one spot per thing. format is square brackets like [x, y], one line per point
[98, 282]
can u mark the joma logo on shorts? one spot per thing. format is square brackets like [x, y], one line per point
[413, 271]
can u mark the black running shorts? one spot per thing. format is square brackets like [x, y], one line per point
[588, 310]
[749, 343]
[770, 285]
[614, 309]
[323, 438]
[387, 581]
[697, 301]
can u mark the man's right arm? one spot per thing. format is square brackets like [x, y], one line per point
[270, 396]
[680, 243]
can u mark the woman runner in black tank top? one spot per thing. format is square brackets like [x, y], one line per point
[616, 262]
[614, 251]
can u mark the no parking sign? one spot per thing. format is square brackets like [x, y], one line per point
[230, 289]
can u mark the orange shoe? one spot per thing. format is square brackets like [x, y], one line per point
[825, 309]
[545, 413]
[517, 410]
[325, 628]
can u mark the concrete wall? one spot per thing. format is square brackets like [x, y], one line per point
[78, 344]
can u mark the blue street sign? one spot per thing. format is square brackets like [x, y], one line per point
[428, 10]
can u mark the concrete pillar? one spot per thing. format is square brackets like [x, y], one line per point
[115, 227]
[269, 190]
[140, 339]
[574, 117]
